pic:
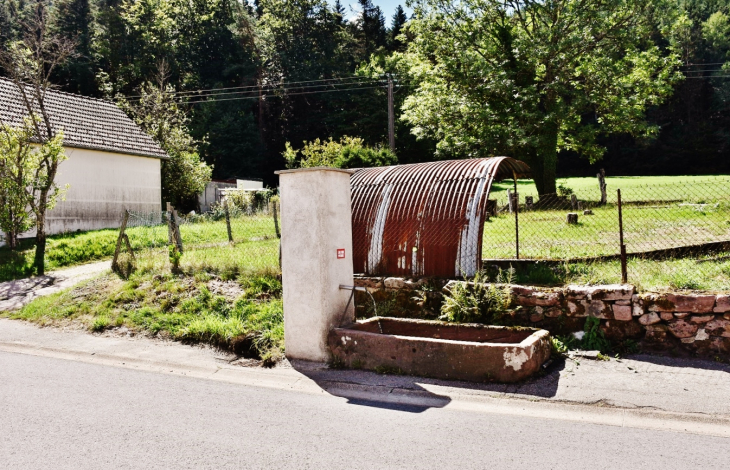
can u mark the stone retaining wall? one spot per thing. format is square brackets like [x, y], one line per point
[698, 323]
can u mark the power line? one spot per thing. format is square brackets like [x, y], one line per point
[279, 96]
[257, 87]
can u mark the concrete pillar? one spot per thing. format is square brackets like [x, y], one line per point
[316, 257]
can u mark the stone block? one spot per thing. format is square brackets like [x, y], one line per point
[666, 316]
[537, 317]
[542, 299]
[604, 292]
[701, 335]
[718, 327]
[702, 318]
[623, 302]
[681, 315]
[650, 318]
[369, 282]
[637, 309]
[682, 329]
[622, 312]
[692, 302]
[553, 312]
[722, 304]
[394, 283]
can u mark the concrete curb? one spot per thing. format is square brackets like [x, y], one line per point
[433, 396]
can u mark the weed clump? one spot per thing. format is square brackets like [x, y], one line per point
[476, 302]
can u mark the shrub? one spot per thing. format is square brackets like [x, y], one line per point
[478, 302]
[348, 152]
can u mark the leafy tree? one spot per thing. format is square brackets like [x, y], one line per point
[530, 79]
[184, 174]
[396, 28]
[348, 152]
[16, 146]
[73, 21]
[30, 63]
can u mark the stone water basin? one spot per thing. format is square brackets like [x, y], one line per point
[472, 352]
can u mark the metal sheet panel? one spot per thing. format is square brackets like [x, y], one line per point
[425, 219]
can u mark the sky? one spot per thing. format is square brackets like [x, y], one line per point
[387, 6]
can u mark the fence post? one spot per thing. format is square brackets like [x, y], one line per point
[228, 220]
[624, 274]
[173, 228]
[122, 235]
[169, 224]
[276, 220]
[516, 205]
[602, 185]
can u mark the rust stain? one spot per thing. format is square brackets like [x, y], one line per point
[424, 219]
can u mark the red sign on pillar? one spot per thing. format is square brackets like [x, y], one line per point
[340, 253]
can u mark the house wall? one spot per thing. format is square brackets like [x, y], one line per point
[101, 186]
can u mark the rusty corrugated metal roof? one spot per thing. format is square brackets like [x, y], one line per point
[424, 219]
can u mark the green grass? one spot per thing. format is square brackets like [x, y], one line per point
[711, 273]
[650, 187]
[245, 316]
[658, 213]
[255, 245]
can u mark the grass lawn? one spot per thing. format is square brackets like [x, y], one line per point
[658, 213]
[255, 245]
[709, 273]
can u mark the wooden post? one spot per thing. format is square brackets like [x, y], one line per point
[574, 202]
[176, 232]
[529, 203]
[276, 220]
[122, 235]
[624, 273]
[391, 115]
[228, 220]
[169, 224]
[602, 185]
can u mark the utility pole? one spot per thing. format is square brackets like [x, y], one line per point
[391, 115]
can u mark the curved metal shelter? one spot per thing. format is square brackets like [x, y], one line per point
[424, 219]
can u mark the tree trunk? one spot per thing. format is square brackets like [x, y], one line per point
[40, 245]
[545, 164]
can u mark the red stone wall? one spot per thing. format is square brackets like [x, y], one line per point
[697, 323]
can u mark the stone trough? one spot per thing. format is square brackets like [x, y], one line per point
[471, 352]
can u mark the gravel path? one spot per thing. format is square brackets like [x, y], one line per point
[15, 294]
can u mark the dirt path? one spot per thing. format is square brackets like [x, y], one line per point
[15, 294]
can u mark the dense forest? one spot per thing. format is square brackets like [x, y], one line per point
[253, 76]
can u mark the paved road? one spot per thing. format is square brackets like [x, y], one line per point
[56, 413]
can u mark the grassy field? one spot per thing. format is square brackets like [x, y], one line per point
[256, 246]
[636, 187]
[707, 273]
[658, 213]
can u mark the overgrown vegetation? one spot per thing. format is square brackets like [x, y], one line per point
[241, 313]
[476, 302]
[348, 152]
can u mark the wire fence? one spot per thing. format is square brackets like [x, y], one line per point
[231, 240]
[655, 221]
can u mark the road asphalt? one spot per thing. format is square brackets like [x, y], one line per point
[69, 399]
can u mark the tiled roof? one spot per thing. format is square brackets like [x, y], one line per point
[86, 122]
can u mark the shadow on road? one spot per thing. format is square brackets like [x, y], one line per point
[412, 394]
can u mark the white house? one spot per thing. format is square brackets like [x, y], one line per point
[112, 165]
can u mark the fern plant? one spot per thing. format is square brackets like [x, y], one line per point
[480, 302]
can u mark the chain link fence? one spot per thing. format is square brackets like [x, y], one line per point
[670, 229]
[227, 240]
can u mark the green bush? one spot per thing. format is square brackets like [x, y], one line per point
[348, 152]
[477, 302]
